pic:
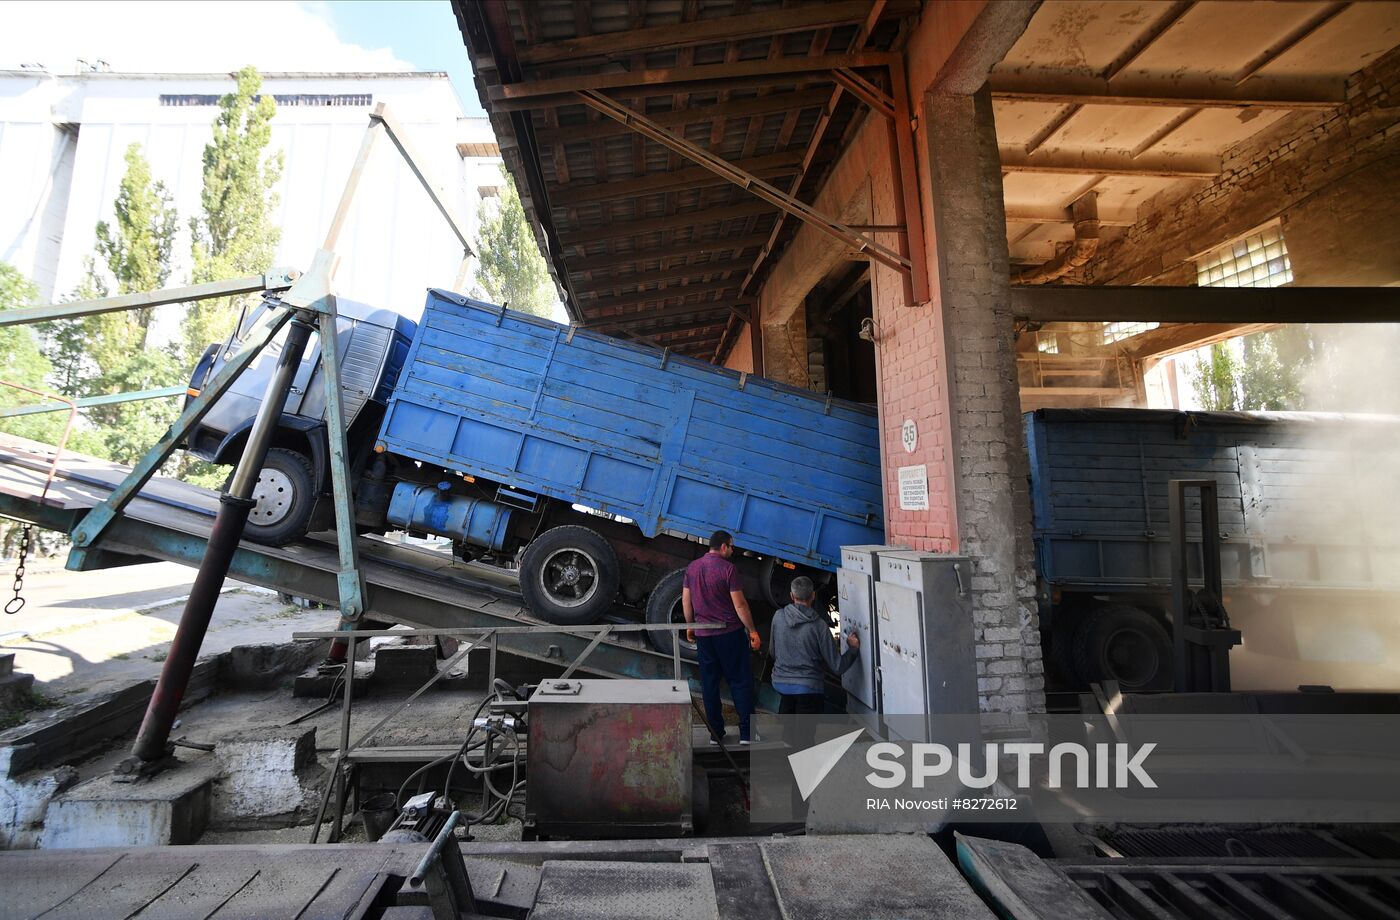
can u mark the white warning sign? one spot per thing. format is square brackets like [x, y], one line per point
[913, 488]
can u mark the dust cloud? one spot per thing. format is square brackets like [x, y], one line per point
[1348, 504]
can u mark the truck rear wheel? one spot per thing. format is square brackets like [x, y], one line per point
[664, 607]
[1123, 643]
[569, 576]
[285, 495]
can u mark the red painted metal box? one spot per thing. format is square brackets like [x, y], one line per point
[609, 758]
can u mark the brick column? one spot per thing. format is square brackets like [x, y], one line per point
[978, 344]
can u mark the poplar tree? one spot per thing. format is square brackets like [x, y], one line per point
[233, 235]
[512, 271]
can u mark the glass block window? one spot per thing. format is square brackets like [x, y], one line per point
[1117, 332]
[1258, 260]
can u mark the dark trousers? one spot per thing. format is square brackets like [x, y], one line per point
[800, 733]
[726, 656]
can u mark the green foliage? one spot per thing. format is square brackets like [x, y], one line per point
[1217, 379]
[137, 250]
[22, 362]
[1271, 373]
[512, 270]
[234, 234]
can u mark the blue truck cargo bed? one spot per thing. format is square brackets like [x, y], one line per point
[673, 444]
[1298, 507]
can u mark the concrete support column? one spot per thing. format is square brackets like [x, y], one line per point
[990, 493]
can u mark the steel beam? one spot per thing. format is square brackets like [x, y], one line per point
[751, 183]
[87, 402]
[279, 279]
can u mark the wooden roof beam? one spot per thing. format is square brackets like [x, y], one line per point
[718, 29]
[681, 118]
[698, 218]
[1048, 303]
[772, 164]
[712, 247]
[641, 276]
[660, 296]
[768, 72]
[1067, 90]
[1110, 164]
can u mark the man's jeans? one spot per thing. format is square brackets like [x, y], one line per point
[726, 656]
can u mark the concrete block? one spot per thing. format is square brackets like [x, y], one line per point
[7, 664]
[26, 798]
[267, 776]
[16, 691]
[259, 667]
[404, 665]
[169, 808]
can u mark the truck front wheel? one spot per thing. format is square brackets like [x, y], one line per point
[285, 495]
[569, 576]
[1123, 643]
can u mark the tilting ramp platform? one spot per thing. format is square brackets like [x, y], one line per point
[170, 521]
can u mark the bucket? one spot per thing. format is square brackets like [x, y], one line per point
[378, 813]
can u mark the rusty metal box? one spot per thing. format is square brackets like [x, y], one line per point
[609, 758]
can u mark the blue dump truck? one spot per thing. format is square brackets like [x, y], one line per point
[1309, 542]
[599, 467]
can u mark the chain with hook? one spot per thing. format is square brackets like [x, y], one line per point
[16, 604]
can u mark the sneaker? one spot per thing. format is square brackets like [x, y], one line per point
[714, 742]
[752, 738]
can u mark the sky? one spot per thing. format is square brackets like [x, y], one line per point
[214, 36]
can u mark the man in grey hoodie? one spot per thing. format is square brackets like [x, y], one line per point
[803, 650]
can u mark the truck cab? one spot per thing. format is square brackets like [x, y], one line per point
[373, 343]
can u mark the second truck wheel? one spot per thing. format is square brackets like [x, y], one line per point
[569, 576]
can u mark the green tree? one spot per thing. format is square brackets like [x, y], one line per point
[1217, 379]
[234, 234]
[1271, 373]
[137, 249]
[22, 362]
[512, 272]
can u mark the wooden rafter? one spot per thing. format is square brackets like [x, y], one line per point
[773, 164]
[681, 117]
[710, 246]
[643, 275]
[727, 28]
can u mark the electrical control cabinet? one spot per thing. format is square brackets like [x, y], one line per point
[926, 659]
[855, 584]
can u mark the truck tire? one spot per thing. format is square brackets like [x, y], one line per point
[1123, 643]
[286, 495]
[663, 607]
[569, 576]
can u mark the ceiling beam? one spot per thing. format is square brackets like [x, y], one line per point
[716, 306]
[768, 71]
[642, 276]
[772, 164]
[700, 321]
[1034, 215]
[712, 247]
[1110, 164]
[659, 297]
[695, 114]
[1140, 303]
[675, 35]
[1070, 90]
[1178, 337]
[700, 217]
